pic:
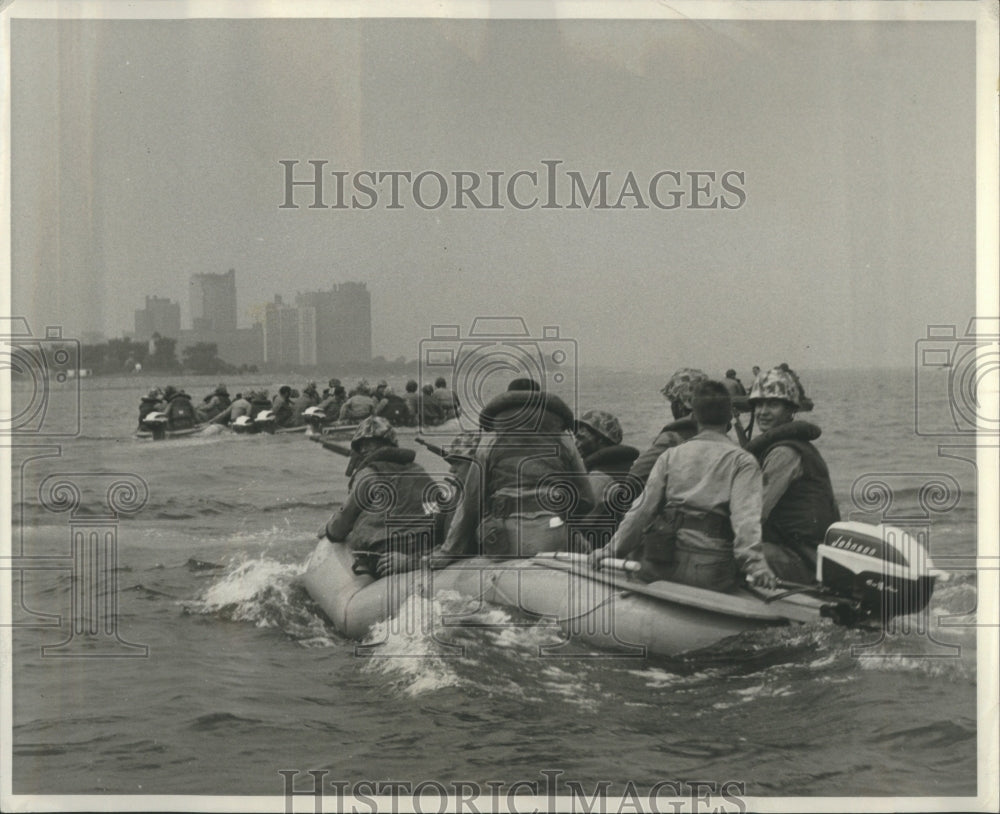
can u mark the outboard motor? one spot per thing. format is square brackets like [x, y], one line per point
[156, 423]
[266, 421]
[315, 418]
[244, 424]
[879, 571]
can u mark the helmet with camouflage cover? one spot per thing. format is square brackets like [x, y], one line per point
[604, 424]
[463, 445]
[374, 427]
[780, 383]
[154, 395]
[680, 388]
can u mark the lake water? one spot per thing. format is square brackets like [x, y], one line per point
[242, 677]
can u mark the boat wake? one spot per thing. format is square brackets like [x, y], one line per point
[457, 642]
[266, 593]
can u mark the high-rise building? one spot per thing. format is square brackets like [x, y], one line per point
[213, 301]
[307, 335]
[213, 320]
[289, 334]
[161, 316]
[343, 323]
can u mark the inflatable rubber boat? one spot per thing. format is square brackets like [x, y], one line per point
[864, 575]
[154, 426]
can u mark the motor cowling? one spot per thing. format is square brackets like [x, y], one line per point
[155, 419]
[244, 424]
[880, 572]
[314, 417]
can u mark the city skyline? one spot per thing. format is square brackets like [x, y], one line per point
[332, 326]
[854, 228]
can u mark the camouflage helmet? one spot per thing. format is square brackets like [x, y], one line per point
[681, 386]
[155, 394]
[462, 445]
[374, 427]
[169, 391]
[602, 423]
[779, 383]
[309, 388]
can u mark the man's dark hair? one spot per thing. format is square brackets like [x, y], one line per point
[440, 381]
[411, 386]
[711, 404]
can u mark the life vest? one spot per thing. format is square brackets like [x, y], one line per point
[406, 525]
[180, 413]
[613, 488]
[430, 410]
[147, 406]
[526, 411]
[395, 411]
[331, 407]
[808, 508]
[615, 460]
[283, 411]
[527, 448]
[448, 402]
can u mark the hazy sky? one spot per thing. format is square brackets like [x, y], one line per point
[145, 151]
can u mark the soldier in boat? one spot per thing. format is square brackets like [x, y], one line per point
[214, 403]
[152, 402]
[798, 502]
[678, 392]
[380, 470]
[698, 521]
[607, 460]
[525, 456]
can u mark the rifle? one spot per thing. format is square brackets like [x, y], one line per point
[439, 451]
[347, 452]
[741, 433]
[450, 457]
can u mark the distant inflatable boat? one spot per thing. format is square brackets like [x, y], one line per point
[865, 574]
[154, 427]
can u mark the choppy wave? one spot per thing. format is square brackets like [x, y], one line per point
[267, 594]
